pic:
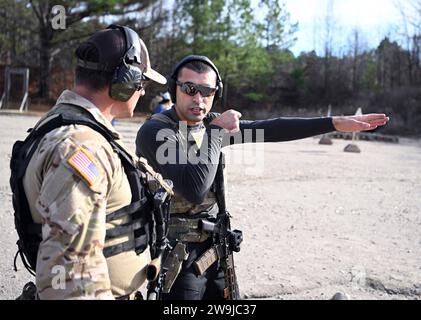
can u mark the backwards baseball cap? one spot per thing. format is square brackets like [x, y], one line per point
[105, 50]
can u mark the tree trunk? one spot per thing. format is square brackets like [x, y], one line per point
[45, 61]
[355, 63]
[224, 101]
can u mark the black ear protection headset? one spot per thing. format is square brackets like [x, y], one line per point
[127, 75]
[172, 81]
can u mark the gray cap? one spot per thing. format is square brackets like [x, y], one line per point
[104, 51]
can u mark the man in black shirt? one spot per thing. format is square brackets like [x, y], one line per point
[184, 144]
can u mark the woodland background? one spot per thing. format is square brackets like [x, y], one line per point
[262, 77]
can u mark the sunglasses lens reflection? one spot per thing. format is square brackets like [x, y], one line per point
[192, 89]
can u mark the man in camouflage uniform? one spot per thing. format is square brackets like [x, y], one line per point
[75, 179]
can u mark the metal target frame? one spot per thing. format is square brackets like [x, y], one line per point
[8, 72]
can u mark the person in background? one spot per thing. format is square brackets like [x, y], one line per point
[164, 104]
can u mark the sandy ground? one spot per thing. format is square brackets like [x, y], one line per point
[316, 220]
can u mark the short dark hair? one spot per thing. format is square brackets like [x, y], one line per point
[93, 79]
[196, 66]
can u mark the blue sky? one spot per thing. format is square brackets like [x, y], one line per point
[374, 19]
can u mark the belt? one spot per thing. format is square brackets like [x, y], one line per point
[186, 230]
[184, 207]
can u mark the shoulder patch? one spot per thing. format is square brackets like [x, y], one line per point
[83, 163]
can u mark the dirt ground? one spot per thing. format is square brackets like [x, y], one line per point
[316, 220]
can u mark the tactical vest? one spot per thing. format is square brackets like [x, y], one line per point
[140, 209]
[179, 205]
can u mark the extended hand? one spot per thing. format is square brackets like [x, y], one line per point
[229, 120]
[363, 122]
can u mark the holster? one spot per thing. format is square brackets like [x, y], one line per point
[173, 264]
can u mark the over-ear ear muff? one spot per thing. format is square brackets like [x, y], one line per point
[127, 75]
[125, 82]
[172, 86]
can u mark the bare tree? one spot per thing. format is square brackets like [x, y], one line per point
[411, 24]
[49, 39]
[329, 24]
[355, 60]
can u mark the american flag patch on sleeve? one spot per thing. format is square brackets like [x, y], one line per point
[82, 162]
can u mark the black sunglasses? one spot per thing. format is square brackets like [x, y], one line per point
[191, 89]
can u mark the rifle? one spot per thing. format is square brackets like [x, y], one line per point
[226, 241]
[159, 245]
